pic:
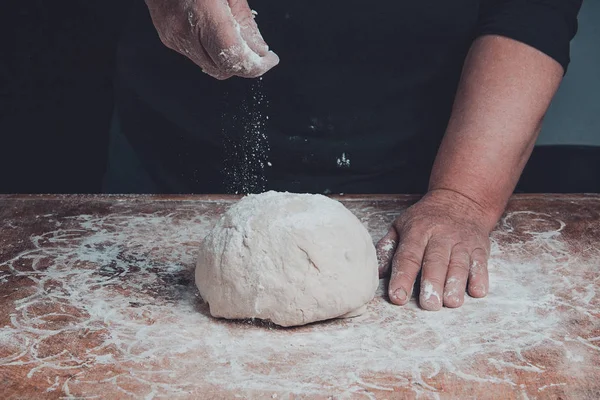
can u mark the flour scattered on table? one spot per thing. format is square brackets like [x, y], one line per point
[107, 307]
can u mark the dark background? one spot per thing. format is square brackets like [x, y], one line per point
[56, 66]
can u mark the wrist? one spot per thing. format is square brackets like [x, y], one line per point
[468, 204]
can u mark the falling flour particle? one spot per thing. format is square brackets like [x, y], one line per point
[343, 161]
[245, 142]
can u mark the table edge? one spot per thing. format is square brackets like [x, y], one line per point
[229, 198]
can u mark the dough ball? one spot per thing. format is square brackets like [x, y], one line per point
[291, 259]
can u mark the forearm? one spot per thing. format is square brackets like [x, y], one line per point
[505, 90]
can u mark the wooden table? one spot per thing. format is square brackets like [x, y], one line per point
[97, 300]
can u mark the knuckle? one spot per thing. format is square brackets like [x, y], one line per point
[404, 275]
[462, 248]
[478, 263]
[433, 258]
[481, 251]
[435, 280]
[408, 259]
[412, 225]
[399, 275]
[454, 282]
[459, 266]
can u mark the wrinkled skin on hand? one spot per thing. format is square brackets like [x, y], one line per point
[446, 235]
[221, 36]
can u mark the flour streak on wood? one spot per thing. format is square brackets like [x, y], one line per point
[98, 300]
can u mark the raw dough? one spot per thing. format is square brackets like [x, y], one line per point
[288, 258]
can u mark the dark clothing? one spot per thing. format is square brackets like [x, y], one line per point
[359, 103]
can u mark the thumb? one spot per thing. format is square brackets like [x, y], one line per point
[386, 248]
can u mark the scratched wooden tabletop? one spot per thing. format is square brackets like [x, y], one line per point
[97, 300]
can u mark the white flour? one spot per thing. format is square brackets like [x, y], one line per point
[124, 284]
[246, 143]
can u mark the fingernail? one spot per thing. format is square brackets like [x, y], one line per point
[479, 290]
[400, 295]
[452, 300]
